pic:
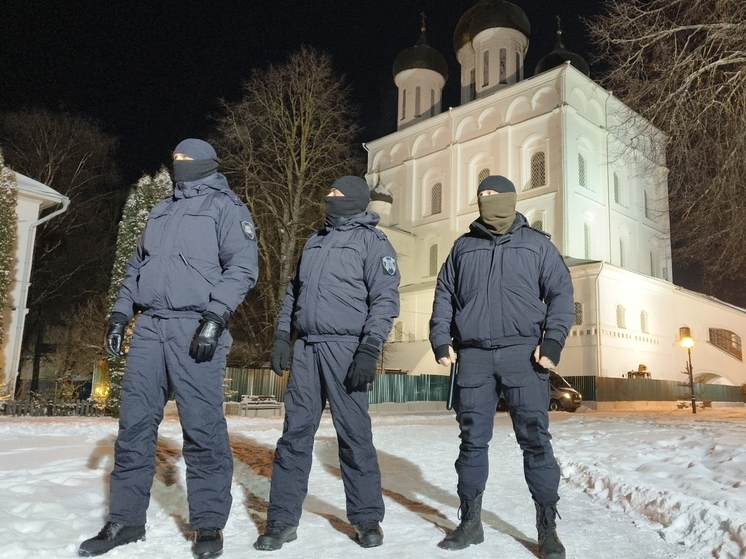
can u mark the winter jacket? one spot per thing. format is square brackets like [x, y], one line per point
[197, 253]
[345, 285]
[497, 291]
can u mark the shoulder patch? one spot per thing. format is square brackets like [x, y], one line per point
[248, 230]
[389, 265]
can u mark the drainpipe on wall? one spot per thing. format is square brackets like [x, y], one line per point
[25, 282]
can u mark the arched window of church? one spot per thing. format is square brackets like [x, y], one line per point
[538, 224]
[578, 313]
[587, 241]
[518, 76]
[646, 205]
[652, 264]
[621, 320]
[644, 322]
[483, 174]
[538, 169]
[436, 198]
[582, 178]
[417, 91]
[503, 66]
[433, 270]
[432, 102]
[617, 190]
[728, 341]
[621, 253]
[403, 104]
[486, 69]
[472, 84]
[398, 331]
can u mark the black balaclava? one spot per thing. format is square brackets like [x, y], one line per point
[355, 200]
[497, 211]
[204, 161]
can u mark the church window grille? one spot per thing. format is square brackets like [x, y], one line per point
[417, 95]
[644, 322]
[433, 269]
[503, 64]
[578, 314]
[582, 178]
[483, 174]
[432, 102]
[621, 320]
[587, 241]
[486, 69]
[538, 169]
[398, 331]
[617, 190]
[436, 198]
[538, 224]
[403, 104]
[472, 84]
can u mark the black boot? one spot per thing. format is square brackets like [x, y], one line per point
[275, 534]
[111, 535]
[550, 546]
[208, 543]
[470, 530]
[369, 534]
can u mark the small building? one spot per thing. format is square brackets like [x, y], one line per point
[33, 199]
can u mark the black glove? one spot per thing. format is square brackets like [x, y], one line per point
[115, 334]
[205, 340]
[279, 360]
[363, 368]
[550, 349]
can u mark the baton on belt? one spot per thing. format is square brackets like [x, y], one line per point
[451, 385]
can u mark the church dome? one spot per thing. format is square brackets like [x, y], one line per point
[421, 56]
[488, 14]
[559, 56]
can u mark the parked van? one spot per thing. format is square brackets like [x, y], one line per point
[562, 395]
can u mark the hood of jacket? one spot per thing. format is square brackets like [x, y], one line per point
[190, 189]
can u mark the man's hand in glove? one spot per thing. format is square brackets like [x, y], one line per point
[115, 334]
[279, 359]
[205, 340]
[363, 368]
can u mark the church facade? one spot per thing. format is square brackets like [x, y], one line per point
[588, 171]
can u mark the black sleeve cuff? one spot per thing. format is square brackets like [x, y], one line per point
[282, 335]
[442, 351]
[217, 319]
[368, 349]
[118, 318]
[551, 349]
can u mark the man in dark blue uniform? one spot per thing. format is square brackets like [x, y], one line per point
[195, 262]
[340, 306]
[504, 301]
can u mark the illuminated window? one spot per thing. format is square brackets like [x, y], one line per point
[728, 341]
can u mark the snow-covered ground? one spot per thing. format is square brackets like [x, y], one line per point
[634, 485]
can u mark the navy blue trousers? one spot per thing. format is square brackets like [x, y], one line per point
[317, 373]
[158, 359]
[483, 374]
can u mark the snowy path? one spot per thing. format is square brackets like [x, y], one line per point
[634, 486]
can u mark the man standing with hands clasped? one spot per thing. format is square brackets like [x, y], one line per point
[195, 262]
[340, 306]
[504, 301]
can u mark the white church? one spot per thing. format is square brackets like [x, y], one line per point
[586, 173]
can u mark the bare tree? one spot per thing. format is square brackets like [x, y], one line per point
[283, 144]
[72, 253]
[681, 64]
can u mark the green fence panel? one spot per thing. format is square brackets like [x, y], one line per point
[387, 388]
[606, 389]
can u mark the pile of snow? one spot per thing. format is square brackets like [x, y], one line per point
[633, 485]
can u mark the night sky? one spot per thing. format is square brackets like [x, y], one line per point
[152, 71]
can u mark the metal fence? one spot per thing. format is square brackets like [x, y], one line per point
[386, 388]
[605, 389]
[35, 408]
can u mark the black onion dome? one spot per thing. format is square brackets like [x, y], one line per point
[461, 35]
[498, 13]
[559, 56]
[423, 56]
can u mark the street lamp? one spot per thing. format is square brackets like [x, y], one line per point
[686, 340]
